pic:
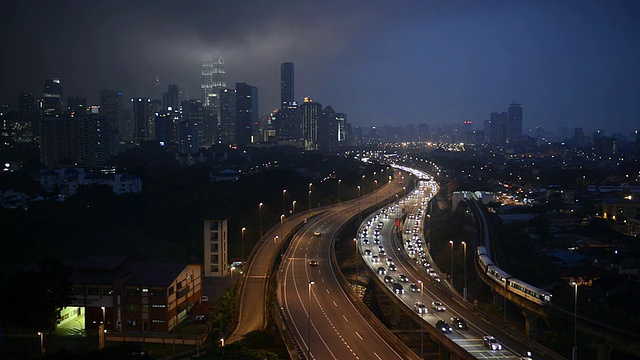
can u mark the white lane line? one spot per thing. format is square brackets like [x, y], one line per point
[345, 318]
[328, 291]
[323, 280]
[335, 303]
[359, 336]
[378, 356]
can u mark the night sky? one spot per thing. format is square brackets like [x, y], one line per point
[570, 63]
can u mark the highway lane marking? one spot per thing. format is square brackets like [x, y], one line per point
[335, 303]
[345, 318]
[322, 280]
[378, 356]
[328, 293]
[359, 336]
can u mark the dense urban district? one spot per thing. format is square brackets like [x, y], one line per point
[128, 232]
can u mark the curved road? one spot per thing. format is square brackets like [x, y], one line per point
[337, 330]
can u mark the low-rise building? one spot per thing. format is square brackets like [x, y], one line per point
[133, 296]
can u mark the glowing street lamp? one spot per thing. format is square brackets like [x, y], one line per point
[284, 201]
[103, 314]
[339, 182]
[451, 274]
[464, 250]
[242, 247]
[294, 207]
[260, 211]
[41, 343]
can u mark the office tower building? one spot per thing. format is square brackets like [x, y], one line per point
[189, 134]
[327, 130]
[56, 143]
[605, 147]
[140, 118]
[171, 99]
[213, 78]
[288, 120]
[166, 124]
[341, 123]
[52, 97]
[112, 108]
[497, 128]
[310, 115]
[246, 113]
[26, 104]
[77, 105]
[514, 122]
[287, 94]
[578, 137]
[92, 140]
[227, 122]
[155, 107]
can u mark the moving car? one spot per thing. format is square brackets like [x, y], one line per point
[420, 308]
[313, 263]
[414, 288]
[375, 258]
[367, 252]
[443, 326]
[382, 270]
[403, 278]
[438, 306]
[458, 323]
[317, 233]
[398, 289]
[388, 279]
[491, 343]
[392, 267]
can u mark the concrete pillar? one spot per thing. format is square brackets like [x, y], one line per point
[443, 353]
[603, 351]
[530, 324]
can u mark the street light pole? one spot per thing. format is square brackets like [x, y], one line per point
[309, 202]
[41, 344]
[309, 319]
[294, 207]
[284, 201]
[103, 315]
[451, 273]
[260, 211]
[574, 354]
[339, 181]
[242, 248]
[355, 241]
[464, 250]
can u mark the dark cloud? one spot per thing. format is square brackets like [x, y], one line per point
[571, 63]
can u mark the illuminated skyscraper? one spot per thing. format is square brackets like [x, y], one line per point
[288, 124]
[310, 113]
[52, 97]
[213, 79]
[141, 118]
[227, 126]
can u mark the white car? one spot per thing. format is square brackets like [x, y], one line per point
[420, 308]
[438, 306]
[491, 343]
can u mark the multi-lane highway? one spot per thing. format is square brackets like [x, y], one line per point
[320, 314]
[409, 266]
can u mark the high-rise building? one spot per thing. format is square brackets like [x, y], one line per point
[514, 122]
[213, 78]
[288, 119]
[171, 99]
[189, 134]
[166, 124]
[77, 104]
[112, 108]
[287, 94]
[227, 123]
[56, 143]
[246, 113]
[141, 118]
[92, 140]
[27, 117]
[578, 137]
[155, 107]
[310, 114]
[497, 128]
[216, 238]
[52, 97]
[25, 104]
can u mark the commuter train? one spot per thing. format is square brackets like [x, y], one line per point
[509, 282]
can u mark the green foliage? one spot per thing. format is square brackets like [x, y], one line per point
[237, 351]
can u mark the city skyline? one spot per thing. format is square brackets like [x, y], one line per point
[571, 65]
